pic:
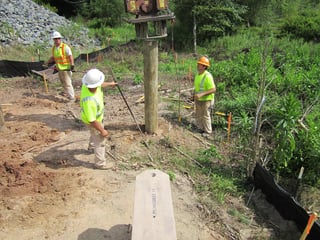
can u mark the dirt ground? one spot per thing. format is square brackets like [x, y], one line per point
[50, 190]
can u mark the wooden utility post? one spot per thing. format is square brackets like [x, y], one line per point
[150, 56]
[150, 24]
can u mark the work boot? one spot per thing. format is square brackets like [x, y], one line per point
[106, 166]
[205, 135]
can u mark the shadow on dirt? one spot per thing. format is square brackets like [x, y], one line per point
[117, 232]
[54, 99]
[59, 122]
[125, 127]
[66, 155]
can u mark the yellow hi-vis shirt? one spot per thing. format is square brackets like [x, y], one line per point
[203, 83]
[92, 106]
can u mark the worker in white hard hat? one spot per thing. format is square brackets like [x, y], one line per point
[92, 113]
[64, 64]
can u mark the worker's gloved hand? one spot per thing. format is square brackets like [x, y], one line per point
[55, 70]
[72, 68]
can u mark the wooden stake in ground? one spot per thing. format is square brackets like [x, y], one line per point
[1, 118]
[229, 126]
[175, 62]
[45, 82]
[313, 217]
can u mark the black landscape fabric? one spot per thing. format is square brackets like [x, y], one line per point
[10, 68]
[285, 204]
[18, 69]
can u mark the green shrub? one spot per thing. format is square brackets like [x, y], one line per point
[303, 26]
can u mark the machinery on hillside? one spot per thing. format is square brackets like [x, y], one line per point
[151, 17]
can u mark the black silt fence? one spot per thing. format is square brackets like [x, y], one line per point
[18, 69]
[285, 204]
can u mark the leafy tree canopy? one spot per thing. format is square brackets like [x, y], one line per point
[213, 18]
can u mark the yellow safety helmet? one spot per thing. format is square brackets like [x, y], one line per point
[204, 61]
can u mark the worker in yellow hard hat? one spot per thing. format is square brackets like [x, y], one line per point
[204, 90]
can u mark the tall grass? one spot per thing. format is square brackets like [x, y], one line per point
[114, 36]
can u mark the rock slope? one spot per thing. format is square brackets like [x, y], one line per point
[25, 22]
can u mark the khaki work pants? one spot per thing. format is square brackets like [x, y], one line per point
[98, 143]
[203, 117]
[65, 79]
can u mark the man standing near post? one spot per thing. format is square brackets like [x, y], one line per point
[92, 112]
[64, 63]
[204, 89]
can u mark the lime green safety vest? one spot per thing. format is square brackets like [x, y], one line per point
[61, 59]
[92, 106]
[203, 83]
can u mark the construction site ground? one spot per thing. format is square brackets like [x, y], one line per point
[50, 189]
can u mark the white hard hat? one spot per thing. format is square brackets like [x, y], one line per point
[93, 78]
[56, 34]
